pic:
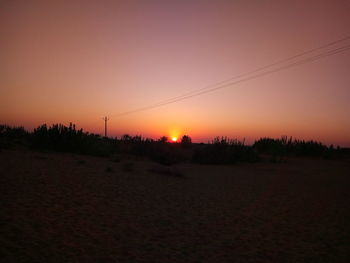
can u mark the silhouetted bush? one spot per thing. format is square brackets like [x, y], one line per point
[159, 151]
[67, 139]
[285, 146]
[13, 132]
[163, 139]
[166, 154]
[10, 135]
[186, 141]
[224, 151]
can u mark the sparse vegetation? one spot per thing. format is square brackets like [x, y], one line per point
[12, 135]
[186, 141]
[279, 148]
[224, 151]
[159, 151]
[67, 139]
[221, 150]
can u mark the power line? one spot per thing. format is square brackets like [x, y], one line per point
[200, 92]
[230, 82]
[263, 68]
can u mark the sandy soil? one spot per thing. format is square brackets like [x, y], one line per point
[70, 208]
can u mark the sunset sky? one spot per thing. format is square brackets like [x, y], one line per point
[77, 61]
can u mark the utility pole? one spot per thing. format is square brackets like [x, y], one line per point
[105, 119]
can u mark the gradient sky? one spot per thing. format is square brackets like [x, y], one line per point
[77, 61]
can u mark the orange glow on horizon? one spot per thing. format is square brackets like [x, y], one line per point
[128, 56]
[174, 133]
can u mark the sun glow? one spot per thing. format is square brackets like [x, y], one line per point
[174, 139]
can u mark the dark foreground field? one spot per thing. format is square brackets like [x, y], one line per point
[72, 208]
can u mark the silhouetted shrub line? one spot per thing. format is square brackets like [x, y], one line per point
[221, 150]
[10, 135]
[289, 147]
[224, 151]
[67, 139]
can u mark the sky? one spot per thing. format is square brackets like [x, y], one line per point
[78, 61]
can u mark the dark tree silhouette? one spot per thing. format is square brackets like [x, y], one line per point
[163, 139]
[186, 141]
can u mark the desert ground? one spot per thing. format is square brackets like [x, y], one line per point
[60, 207]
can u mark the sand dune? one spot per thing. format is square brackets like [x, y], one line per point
[72, 208]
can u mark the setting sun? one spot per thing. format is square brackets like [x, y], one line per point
[174, 139]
